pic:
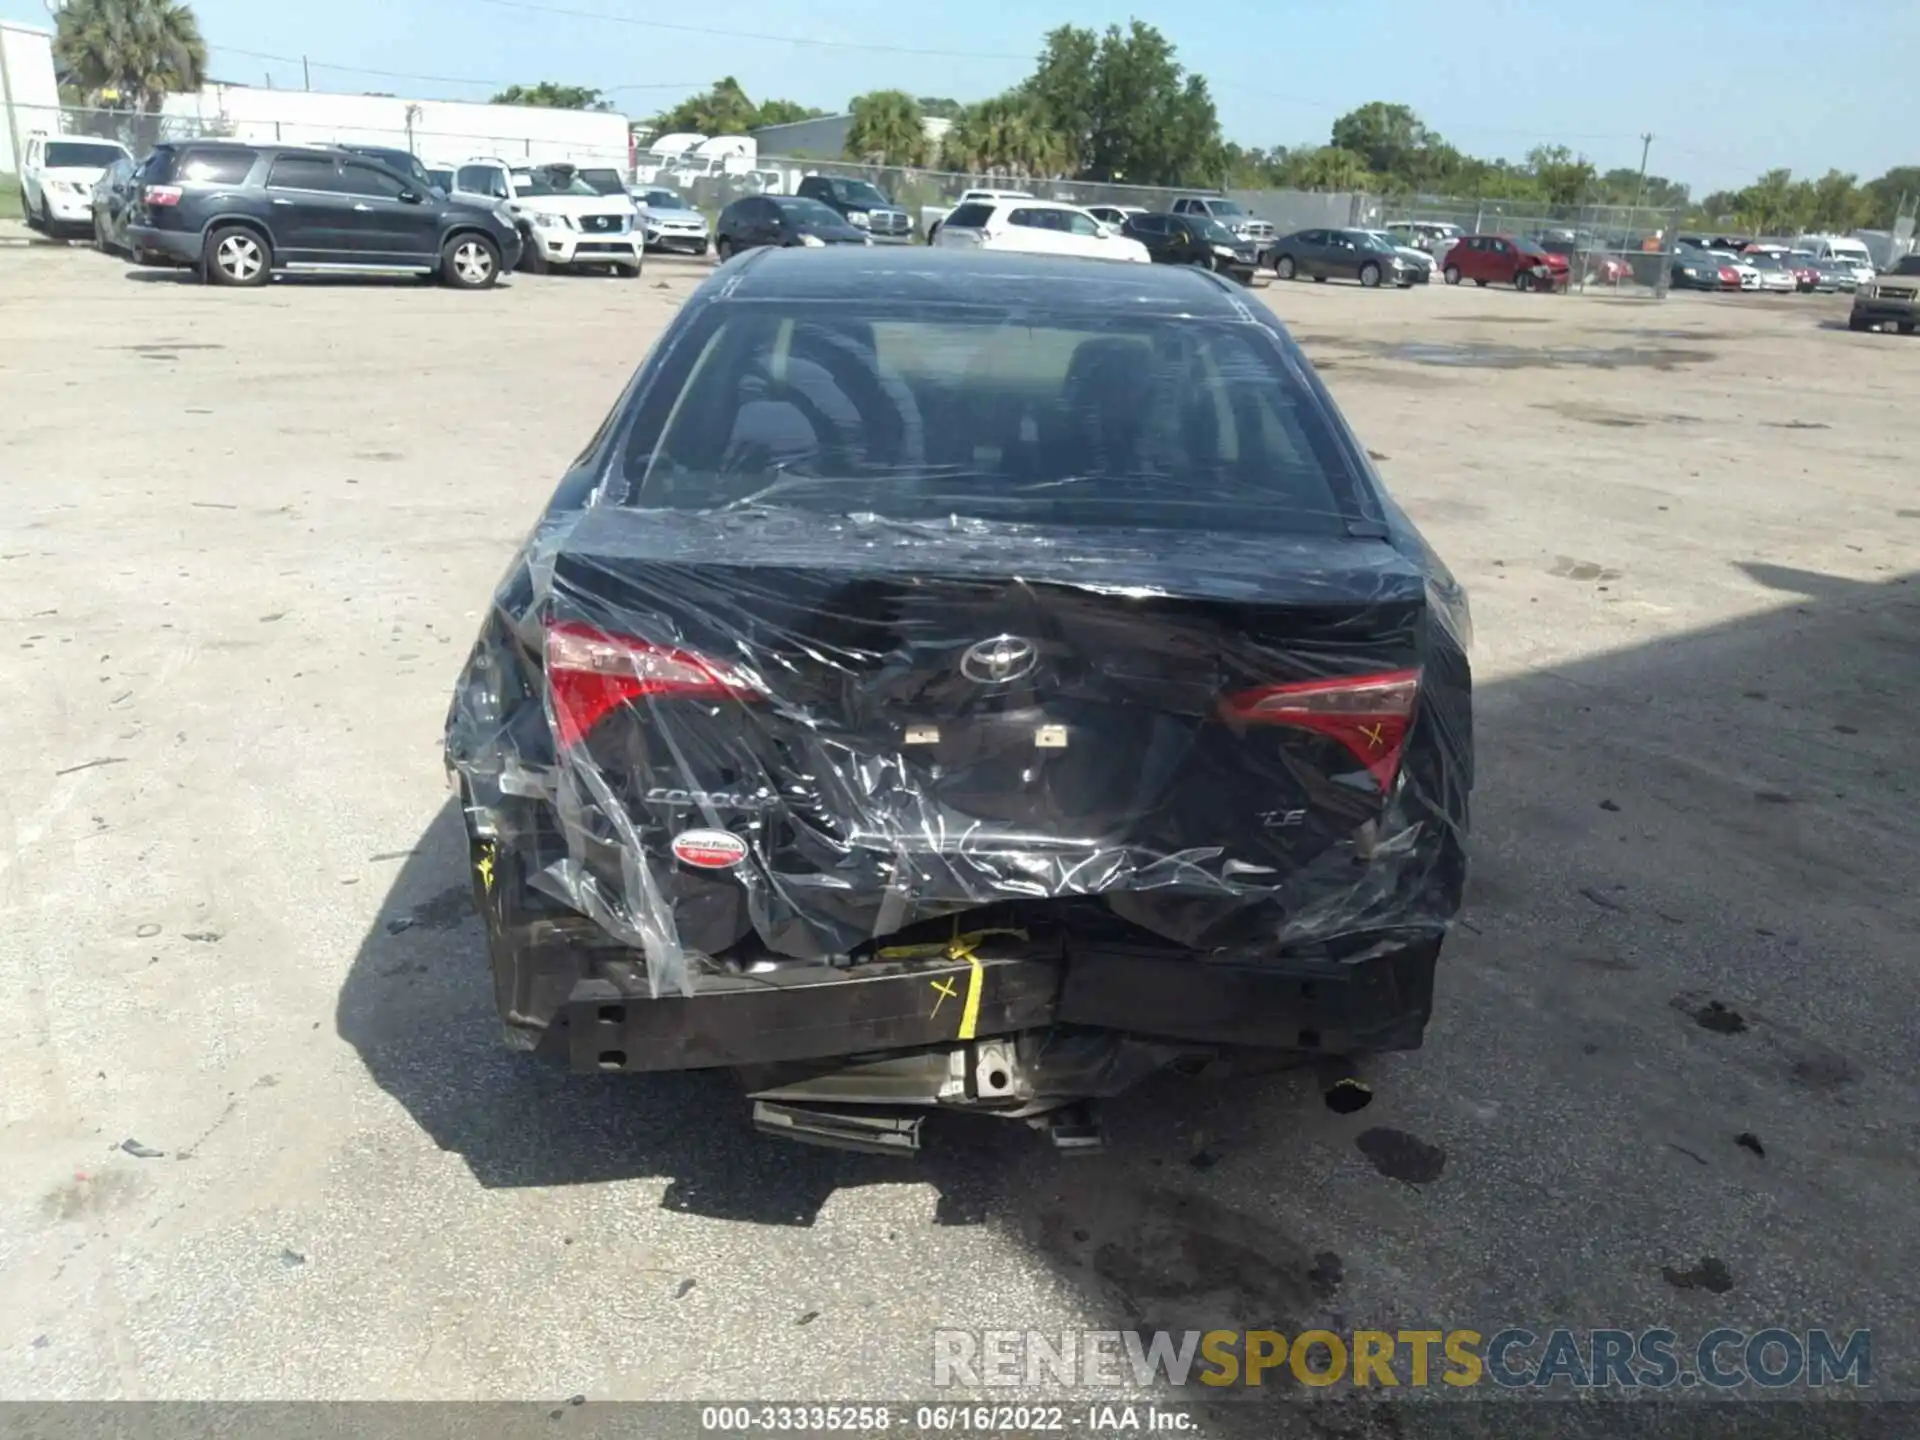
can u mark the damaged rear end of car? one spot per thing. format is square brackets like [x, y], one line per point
[972, 682]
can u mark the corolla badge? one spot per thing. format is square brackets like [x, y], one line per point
[996, 661]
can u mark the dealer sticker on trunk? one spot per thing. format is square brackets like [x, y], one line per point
[709, 849]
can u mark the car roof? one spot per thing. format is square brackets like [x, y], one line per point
[984, 279]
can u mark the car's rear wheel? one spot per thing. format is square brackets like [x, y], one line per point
[470, 262]
[1283, 267]
[235, 255]
[723, 248]
[1370, 275]
[1451, 274]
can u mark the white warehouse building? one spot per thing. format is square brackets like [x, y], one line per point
[440, 132]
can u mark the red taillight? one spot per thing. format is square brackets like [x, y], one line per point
[163, 194]
[591, 672]
[1369, 714]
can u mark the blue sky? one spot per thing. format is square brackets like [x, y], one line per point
[1727, 89]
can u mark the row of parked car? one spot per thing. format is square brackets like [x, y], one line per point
[241, 212]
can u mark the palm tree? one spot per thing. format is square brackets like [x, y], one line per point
[130, 53]
[887, 130]
[1330, 168]
[1005, 136]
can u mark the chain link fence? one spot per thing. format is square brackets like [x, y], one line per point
[1610, 249]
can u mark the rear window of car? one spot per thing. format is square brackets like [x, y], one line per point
[482, 180]
[1138, 421]
[78, 154]
[972, 215]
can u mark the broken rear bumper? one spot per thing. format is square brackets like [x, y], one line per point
[1376, 998]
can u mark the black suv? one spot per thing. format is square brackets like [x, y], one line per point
[240, 212]
[862, 205]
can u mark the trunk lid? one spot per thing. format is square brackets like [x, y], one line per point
[989, 713]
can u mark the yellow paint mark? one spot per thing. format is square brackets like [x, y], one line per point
[485, 867]
[961, 947]
[946, 991]
[1376, 735]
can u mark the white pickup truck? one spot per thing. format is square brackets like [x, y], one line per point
[932, 215]
[565, 221]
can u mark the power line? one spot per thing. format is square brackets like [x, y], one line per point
[436, 79]
[728, 34]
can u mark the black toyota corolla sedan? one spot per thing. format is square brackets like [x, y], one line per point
[966, 680]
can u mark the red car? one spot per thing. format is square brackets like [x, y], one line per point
[1504, 260]
[1605, 269]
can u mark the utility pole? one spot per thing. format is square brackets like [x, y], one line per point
[1640, 190]
[306, 76]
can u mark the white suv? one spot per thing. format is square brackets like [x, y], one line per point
[57, 176]
[1036, 227]
[565, 221]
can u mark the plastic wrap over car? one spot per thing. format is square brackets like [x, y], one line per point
[752, 733]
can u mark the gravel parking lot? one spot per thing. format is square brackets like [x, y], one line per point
[248, 539]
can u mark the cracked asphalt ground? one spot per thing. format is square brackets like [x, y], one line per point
[248, 535]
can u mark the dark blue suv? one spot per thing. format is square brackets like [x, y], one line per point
[238, 213]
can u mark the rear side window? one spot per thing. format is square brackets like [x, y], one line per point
[1137, 421]
[358, 179]
[217, 167]
[971, 216]
[304, 172]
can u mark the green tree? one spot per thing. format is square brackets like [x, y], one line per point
[1563, 177]
[550, 96]
[129, 53]
[1386, 137]
[1126, 108]
[783, 112]
[936, 107]
[1773, 204]
[887, 130]
[725, 108]
[1836, 202]
[1884, 197]
[1717, 208]
[1625, 186]
[1008, 136]
[721, 109]
[1328, 168]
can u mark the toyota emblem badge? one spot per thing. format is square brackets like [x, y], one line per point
[999, 660]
